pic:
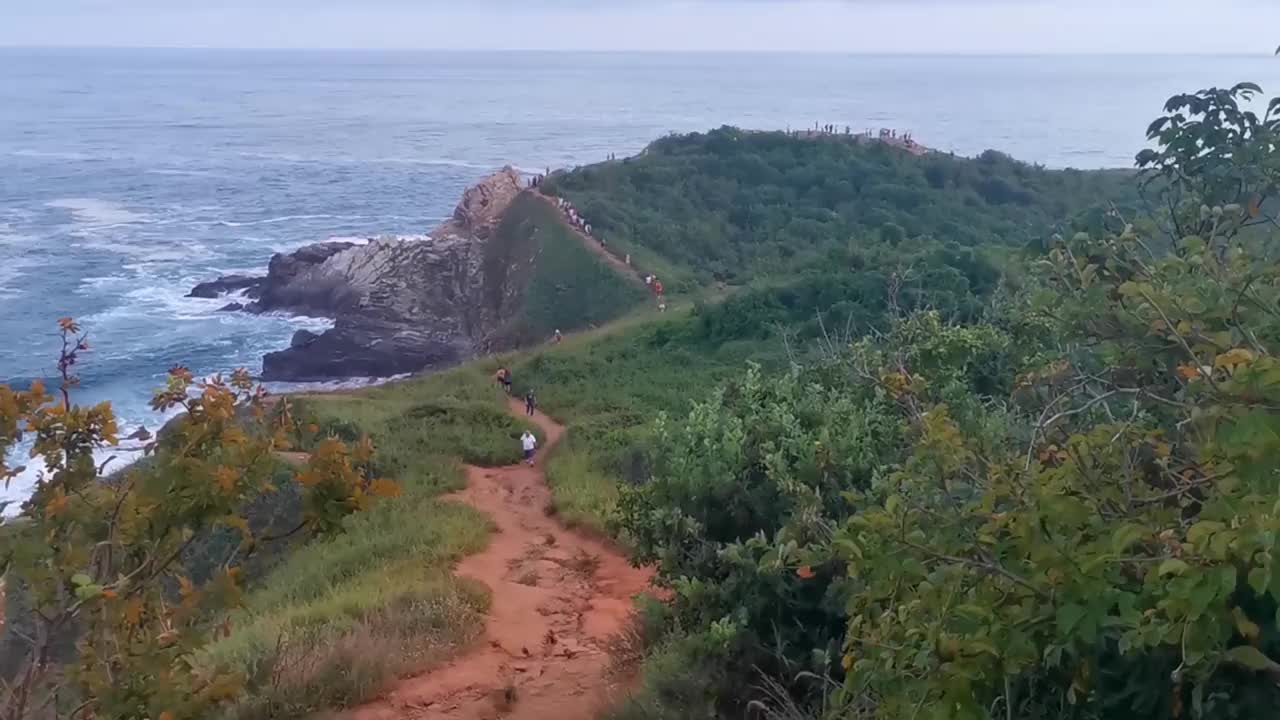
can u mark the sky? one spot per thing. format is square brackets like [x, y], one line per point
[851, 26]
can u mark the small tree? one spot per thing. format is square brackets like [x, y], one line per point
[99, 558]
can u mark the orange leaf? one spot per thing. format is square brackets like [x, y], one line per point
[57, 504]
[805, 572]
[384, 488]
[133, 611]
[1187, 372]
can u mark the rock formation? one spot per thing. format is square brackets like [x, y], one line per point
[399, 305]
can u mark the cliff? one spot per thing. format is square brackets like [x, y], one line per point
[404, 305]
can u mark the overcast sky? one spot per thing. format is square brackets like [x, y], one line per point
[910, 26]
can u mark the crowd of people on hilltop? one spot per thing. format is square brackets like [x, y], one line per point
[575, 218]
[886, 135]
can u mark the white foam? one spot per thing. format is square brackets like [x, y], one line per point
[13, 263]
[51, 155]
[183, 173]
[97, 213]
[285, 218]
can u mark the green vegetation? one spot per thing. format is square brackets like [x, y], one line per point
[1065, 510]
[566, 286]
[732, 204]
[109, 616]
[341, 616]
[934, 462]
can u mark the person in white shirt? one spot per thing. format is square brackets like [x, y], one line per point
[529, 443]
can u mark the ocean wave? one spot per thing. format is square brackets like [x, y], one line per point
[285, 218]
[51, 155]
[97, 213]
[396, 160]
[281, 388]
[183, 173]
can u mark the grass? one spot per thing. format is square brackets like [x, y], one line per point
[340, 617]
[565, 285]
[457, 413]
[608, 389]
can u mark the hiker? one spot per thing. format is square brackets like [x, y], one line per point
[529, 403]
[529, 444]
[657, 287]
[662, 304]
[628, 259]
[587, 227]
[648, 279]
[504, 379]
[558, 336]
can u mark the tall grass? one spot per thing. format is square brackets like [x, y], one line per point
[340, 617]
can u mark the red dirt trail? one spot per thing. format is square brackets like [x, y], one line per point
[558, 597]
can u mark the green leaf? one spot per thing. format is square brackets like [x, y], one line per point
[88, 592]
[1252, 658]
[891, 504]
[1125, 537]
[1259, 580]
[80, 579]
[1069, 617]
[1203, 530]
[1247, 628]
[1172, 566]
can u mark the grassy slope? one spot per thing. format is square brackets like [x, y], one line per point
[565, 286]
[340, 616]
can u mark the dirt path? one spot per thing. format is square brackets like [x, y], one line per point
[558, 597]
[594, 245]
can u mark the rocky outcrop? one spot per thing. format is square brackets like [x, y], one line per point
[227, 284]
[399, 305]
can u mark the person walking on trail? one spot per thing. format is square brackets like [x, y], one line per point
[530, 403]
[558, 337]
[529, 444]
[504, 379]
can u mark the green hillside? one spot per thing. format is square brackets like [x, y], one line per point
[733, 205]
[560, 283]
[919, 438]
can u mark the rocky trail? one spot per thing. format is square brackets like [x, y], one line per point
[558, 598]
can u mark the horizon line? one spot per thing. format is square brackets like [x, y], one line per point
[647, 51]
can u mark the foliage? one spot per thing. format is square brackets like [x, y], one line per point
[98, 559]
[339, 618]
[1116, 559]
[732, 204]
[1066, 510]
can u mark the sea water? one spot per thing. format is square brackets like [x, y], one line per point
[126, 176]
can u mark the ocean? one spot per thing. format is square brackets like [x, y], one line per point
[126, 176]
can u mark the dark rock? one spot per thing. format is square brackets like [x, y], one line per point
[303, 338]
[225, 284]
[399, 305]
[231, 307]
[364, 347]
[141, 435]
[298, 282]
